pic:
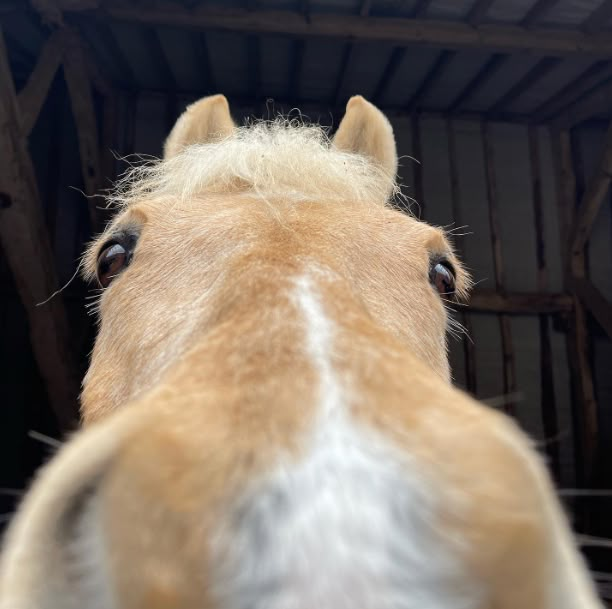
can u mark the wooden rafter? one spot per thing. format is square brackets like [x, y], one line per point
[599, 18]
[592, 199]
[398, 30]
[395, 60]
[596, 74]
[431, 78]
[33, 95]
[536, 73]
[484, 75]
[28, 252]
[478, 12]
[596, 101]
[81, 101]
[537, 12]
[509, 369]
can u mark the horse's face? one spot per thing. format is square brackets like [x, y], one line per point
[193, 261]
[274, 423]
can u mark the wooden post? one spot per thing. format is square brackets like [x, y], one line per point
[81, 101]
[549, 411]
[504, 321]
[469, 349]
[26, 245]
[584, 404]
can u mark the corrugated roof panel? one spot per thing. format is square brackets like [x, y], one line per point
[341, 7]
[513, 69]
[413, 68]
[366, 66]
[449, 10]
[392, 8]
[548, 86]
[571, 12]
[462, 68]
[509, 11]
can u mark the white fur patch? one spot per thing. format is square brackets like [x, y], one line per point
[352, 524]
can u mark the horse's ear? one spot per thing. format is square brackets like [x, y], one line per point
[365, 130]
[206, 120]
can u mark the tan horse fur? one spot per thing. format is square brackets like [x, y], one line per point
[269, 418]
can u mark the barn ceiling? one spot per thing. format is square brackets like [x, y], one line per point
[519, 60]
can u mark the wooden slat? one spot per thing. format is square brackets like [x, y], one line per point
[550, 423]
[595, 302]
[431, 78]
[509, 373]
[81, 102]
[25, 244]
[593, 197]
[519, 303]
[398, 30]
[535, 74]
[469, 349]
[484, 75]
[584, 402]
[34, 93]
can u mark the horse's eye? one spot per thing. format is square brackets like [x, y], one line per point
[442, 277]
[111, 261]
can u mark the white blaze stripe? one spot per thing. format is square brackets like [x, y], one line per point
[319, 342]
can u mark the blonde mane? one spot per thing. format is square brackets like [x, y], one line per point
[267, 159]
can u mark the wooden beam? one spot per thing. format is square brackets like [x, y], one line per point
[484, 75]
[595, 302]
[81, 102]
[519, 303]
[34, 93]
[537, 12]
[478, 12]
[597, 73]
[592, 199]
[398, 30]
[25, 244]
[509, 370]
[550, 423]
[599, 18]
[535, 74]
[584, 402]
[431, 78]
[395, 60]
[469, 349]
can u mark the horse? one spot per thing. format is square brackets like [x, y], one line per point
[268, 417]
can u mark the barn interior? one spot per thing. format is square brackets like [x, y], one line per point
[501, 110]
